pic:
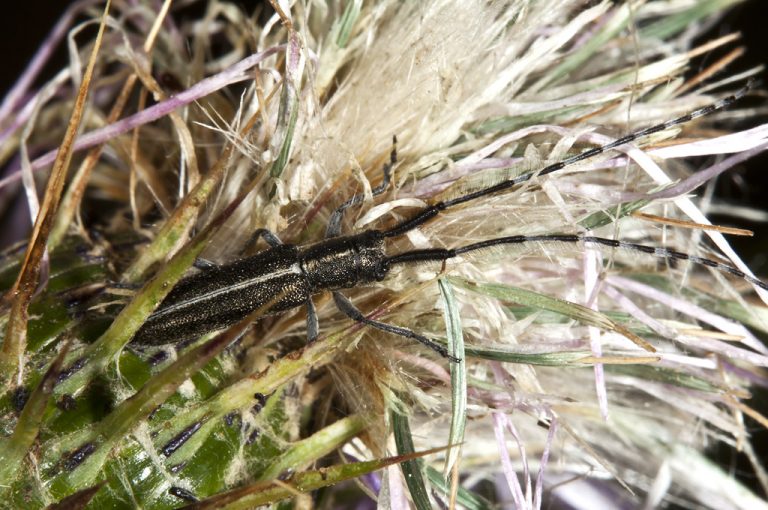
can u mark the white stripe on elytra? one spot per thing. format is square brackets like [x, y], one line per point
[292, 269]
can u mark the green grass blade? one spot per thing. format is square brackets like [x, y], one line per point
[602, 218]
[264, 493]
[414, 478]
[666, 376]
[464, 497]
[675, 23]
[13, 449]
[317, 445]
[546, 359]
[343, 28]
[608, 31]
[575, 311]
[288, 112]
[458, 376]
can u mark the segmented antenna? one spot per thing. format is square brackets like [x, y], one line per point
[440, 254]
[433, 210]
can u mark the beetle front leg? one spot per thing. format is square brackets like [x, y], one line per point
[271, 239]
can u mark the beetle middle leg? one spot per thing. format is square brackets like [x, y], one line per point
[313, 325]
[204, 264]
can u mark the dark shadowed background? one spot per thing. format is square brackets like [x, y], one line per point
[25, 24]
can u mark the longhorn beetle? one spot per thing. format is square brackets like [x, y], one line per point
[286, 276]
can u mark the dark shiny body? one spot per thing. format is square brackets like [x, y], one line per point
[285, 276]
[288, 275]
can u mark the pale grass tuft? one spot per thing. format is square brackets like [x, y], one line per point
[592, 377]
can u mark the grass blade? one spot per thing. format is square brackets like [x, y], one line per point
[464, 497]
[15, 341]
[458, 376]
[288, 113]
[263, 493]
[411, 468]
[318, 444]
[14, 448]
[543, 302]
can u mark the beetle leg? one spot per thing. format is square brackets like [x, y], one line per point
[348, 309]
[312, 323]
[334, 223]
[204, 264]
[271, 239]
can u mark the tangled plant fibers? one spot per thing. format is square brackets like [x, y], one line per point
[590, 377]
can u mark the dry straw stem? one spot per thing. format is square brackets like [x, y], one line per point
[20, 295]
[205, 122]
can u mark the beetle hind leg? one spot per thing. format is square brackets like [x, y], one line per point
[348, 309]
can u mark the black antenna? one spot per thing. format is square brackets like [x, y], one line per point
[440, 254]
[433, 210]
